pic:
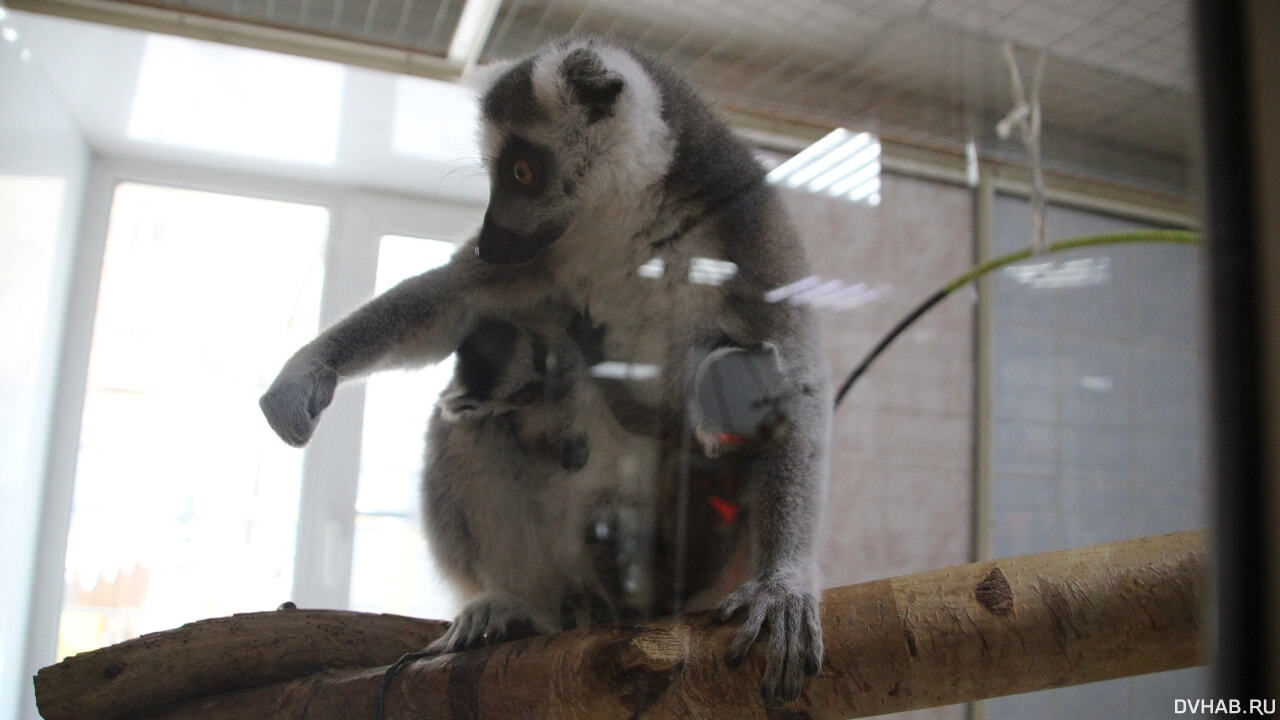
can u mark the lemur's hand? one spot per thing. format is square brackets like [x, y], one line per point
[295, 400]
[795, 631]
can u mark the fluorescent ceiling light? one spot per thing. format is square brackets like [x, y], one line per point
[435, 120]
[842, 163]
[859, 175]
[1096, 383]
[867, 156]
[474, 25]
[808, 155]
[654, 269]
[613, 370]
[1051, 275]
[810, 296]
[865, 190]
[831, 294]
[824, 162]
[789, 290]
[709, 271]
[238, 101]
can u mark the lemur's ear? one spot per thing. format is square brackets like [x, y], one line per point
[457, 405]
[593, 85]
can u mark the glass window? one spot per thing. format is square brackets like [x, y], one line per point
[234, 100]
[1096, 422]
[185, 502]
[391, 570]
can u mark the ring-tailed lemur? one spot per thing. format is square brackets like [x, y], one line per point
[611, 181]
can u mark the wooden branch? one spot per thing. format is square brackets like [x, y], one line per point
[214, 656]
[933, 638]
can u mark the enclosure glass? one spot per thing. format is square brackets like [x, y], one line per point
[185, 502]
[391, 570]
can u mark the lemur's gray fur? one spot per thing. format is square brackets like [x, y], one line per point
[601, 162]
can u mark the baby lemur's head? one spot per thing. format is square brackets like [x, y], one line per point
[502, 367]
[524, 378]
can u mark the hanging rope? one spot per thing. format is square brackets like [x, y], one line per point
[1025, 116]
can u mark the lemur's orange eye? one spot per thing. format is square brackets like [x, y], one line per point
[522, 172]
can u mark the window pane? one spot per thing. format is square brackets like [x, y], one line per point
[391, 570]
[235, 100]
[1096, 430]
[186, 503]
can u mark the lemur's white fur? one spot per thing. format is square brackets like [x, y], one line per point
[634, 151]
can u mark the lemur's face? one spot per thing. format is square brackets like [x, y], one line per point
[530, 200]
[562, 132]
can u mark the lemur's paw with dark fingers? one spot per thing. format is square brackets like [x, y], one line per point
[794, 644]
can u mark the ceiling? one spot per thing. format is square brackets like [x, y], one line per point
[1117, 93]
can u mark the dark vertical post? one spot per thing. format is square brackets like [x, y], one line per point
[1242, 662]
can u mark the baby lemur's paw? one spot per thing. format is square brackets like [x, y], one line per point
[295, 400]
[488, 620]
[794, 648]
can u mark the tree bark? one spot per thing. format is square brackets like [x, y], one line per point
[213, 656]
[935, 638]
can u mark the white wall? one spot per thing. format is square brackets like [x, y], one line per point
[44, 162]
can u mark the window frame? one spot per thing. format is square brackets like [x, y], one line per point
[358, 218]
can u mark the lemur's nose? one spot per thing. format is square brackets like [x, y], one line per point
[501, 246]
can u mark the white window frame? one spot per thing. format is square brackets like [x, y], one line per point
[358, 219]
[331, 468]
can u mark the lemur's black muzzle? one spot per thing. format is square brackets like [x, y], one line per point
[501, 246]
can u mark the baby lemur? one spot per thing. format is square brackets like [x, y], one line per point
[526, 381]
[602, 162]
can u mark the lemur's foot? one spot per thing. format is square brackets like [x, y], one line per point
[488, 620]
[795, 631]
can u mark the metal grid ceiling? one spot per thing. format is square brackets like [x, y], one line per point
[424, 26]
[1117, 92]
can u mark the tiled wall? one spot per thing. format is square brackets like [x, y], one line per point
[1096, 403]
[902, 441]
[1097, 423]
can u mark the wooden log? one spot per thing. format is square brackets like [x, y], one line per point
[935, 638]
[213, 656]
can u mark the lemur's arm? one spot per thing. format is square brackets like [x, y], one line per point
[417, 322]
[787, 481]
[780, 381]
